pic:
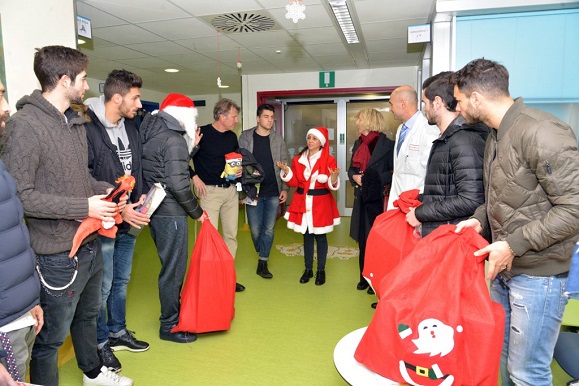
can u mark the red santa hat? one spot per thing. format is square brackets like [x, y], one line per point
[232, 156]
[182, 109]
[320, 133]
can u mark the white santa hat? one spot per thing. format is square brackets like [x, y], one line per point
[182, 109]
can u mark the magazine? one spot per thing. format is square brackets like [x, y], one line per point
[154, 198]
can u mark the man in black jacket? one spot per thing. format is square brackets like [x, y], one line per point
[453, 187]
[166, 160]
[114, 150]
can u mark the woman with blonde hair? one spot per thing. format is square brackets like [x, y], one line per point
[370, 174]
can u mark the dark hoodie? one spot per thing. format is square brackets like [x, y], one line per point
[166, 160]
[46, 154]
[453, 187]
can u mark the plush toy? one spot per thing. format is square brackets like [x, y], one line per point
[232, 165]
[125, 184]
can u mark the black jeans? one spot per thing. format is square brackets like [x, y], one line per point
[322, 242]
[76, 308]
[170, 235]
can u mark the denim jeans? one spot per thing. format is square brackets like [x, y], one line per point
[170, 235]
[322, 242]
[76, 308]
[117, 264]
[261, 222]
[534, 308]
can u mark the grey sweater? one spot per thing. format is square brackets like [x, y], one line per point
[47, 155]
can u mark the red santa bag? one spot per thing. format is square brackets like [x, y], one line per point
[435, 323]
[208, 296]
[390, 239]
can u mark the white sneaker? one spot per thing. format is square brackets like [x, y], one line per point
[107, 378]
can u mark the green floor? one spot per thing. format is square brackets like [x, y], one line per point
[283, 333]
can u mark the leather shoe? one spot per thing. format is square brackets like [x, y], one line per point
[320, 277]
[371, 291]
[178, 337]
[306, 276]
[239, 287]
[262, 269]
[374, 305]
[362, 285]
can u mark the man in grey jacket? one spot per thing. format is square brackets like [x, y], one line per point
[267, 147]
[46, 153]
[531, 178]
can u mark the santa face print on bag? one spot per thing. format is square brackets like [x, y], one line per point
[423, 367]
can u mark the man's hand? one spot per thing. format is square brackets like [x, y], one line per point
[283, 196]
[470, 223]
[5, 378]
[134, 218]
[239, 172]
[411, 218]
[37, 314]
[198, 136]
[357, 179]
[200, 189]
[100, 209]
[203, 217]
[500, 258]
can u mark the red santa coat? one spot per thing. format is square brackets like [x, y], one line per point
[318, 213]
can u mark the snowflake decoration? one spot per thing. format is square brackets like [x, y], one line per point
[295, 10]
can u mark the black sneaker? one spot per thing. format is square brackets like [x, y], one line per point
[108, 358]
[128, 342]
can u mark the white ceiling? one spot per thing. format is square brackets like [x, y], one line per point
[147, 36]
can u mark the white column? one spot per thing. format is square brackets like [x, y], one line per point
[27, 25]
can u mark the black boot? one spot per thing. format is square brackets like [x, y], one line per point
[262, 269]
[307, 275]
[320, 277]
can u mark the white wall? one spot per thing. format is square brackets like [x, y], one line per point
[24, 28]
[381, 77]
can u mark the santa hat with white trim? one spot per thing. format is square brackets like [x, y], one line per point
[182, 109]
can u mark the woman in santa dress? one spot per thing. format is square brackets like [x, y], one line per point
[313, 211]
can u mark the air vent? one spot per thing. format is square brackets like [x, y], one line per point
[243, 22]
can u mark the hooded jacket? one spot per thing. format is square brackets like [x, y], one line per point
[531, 178]
[166, 160]
[19, 284]
[47, 155]
[453, 187]
[103, 161]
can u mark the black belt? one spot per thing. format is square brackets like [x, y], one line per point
[224, 185]
[313, 192]
[562, 275]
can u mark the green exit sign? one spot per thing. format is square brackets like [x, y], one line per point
[327, 79]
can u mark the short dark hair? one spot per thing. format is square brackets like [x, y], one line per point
[222, 107]
[439, 85]
[52, 62]
[484, 76]
[120, 82]
[265, 106]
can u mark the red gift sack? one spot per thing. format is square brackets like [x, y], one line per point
[208, 296]
[390, 239]
[435, 323]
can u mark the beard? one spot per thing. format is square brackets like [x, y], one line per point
[127, 112]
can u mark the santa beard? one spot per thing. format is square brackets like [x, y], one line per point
[187, 117]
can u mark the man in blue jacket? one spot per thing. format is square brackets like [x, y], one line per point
[21, 316]
[114, 150]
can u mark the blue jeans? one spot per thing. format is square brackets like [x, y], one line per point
[534, 308]
[170, 235]
[76, 308]
[117, 264]
[261, 222]
[322, 243]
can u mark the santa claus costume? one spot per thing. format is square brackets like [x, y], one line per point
[313, 210]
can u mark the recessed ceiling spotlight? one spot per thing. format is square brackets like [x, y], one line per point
[278, 51]
[171, 70]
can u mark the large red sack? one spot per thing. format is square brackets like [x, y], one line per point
[435, 323]
[390, 239]
[208, 296]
